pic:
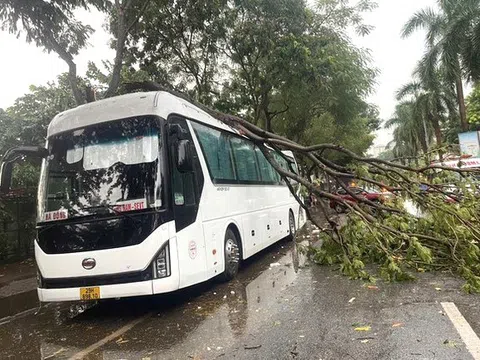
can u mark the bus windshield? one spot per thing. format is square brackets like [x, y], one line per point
[113, 165]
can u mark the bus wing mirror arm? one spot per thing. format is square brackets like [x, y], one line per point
[33, 151]
[6, 176]
[11, 156]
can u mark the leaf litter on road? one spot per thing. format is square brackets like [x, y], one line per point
[363, 328]
[450, 343]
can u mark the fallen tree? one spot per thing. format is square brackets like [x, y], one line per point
[443, 235]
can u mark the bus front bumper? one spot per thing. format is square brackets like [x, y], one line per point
[113, 291]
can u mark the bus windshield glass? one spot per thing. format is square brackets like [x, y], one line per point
[111, 166]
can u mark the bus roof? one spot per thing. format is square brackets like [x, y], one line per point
[124, 106]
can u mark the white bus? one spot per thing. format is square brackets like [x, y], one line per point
[146, 193]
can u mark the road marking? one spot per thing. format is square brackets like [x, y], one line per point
[119, 332]
[466, 332]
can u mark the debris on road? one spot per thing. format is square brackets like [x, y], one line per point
[121, 341]
[252, 347]
[363, 328]
[372, 287]
[397, 324]
[55, 354]
[275, 264]
[450, 343]
[365, 338]
[351, 300]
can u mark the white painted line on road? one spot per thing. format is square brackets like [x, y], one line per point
[119, 332]
[466, 332]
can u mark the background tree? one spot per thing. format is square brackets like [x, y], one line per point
[433, 102]
[52, 26]
[473, 106]
[265, 47]
[452, 41]
[411, 132]
[26, 122]
[179, 43]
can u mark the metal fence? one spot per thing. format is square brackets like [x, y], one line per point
[17, 226]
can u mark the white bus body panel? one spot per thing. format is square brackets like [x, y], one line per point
[110, 261]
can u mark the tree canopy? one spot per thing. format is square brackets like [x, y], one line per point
[268, 61]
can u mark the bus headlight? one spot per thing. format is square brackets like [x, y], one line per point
[161, 264]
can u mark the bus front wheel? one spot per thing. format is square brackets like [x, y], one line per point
[231, 255]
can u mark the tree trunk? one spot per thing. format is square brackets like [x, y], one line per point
[461, 104]
[268, 121]
[121, 33]
[438, 134]
[90, 94]
[423, 144]
[72, 69]
[265, 104]
[72, 78]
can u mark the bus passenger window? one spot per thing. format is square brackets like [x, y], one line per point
[245, 160]
[217, 151]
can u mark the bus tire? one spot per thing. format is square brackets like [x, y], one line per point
[231, 253]
[292, 229]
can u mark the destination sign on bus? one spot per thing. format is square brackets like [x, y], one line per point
[131, 205]
[61, 214]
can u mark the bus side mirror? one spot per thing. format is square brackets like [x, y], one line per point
[6, 177]
[184, 156]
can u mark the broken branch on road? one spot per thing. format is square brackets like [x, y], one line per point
[440, 231]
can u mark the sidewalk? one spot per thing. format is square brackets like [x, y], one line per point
[17, 288]
[17, 271]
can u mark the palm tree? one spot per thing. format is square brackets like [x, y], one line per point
[410, 134]
[433, 100]
[453, 41]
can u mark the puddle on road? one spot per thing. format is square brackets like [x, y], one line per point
[214, 315]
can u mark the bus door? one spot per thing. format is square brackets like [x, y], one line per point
[186, 188]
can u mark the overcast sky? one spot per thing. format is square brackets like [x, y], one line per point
[22, 65]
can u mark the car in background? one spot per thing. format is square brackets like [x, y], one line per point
[379, 196]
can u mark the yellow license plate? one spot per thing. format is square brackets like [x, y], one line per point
[90, 293]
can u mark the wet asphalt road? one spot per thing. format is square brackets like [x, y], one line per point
[284, 311]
